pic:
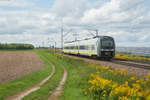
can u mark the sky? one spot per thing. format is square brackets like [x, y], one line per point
[39, 21]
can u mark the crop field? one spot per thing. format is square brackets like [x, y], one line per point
[19, 63]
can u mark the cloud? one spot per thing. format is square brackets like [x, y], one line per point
[73, 8]
[127, 21]
[15, 3]
[18, 22]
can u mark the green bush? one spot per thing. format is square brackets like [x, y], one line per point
[16, 46]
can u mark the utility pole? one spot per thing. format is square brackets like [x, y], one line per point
[96, 32]
[75, 35]
[47, 42]
[62, 38]
[43, 44]
[55, 47]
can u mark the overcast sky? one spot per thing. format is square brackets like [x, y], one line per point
[34, 21]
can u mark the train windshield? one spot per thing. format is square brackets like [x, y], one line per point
[107, 43]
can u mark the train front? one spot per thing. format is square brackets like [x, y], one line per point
[107, 47]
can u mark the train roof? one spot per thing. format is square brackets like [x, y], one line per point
[88, 39]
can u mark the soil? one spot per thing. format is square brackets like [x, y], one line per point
[26, 92]
[16, 64]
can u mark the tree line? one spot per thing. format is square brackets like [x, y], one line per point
[17, 46]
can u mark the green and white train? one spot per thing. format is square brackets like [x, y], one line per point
[100, 46]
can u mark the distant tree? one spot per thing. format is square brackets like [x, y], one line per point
[16, 46]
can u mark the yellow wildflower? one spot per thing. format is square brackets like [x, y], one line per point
[138, 81]
[136, 86]
[137, 98]
[147, 92]
[133, 78]
[124, 98]
[104, 95]
[126, 83]
[140, 94]
[85, 93]
[148, 76]
[91, 88]
[92, 75]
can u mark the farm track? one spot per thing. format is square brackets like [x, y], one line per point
[58, 90]
[24, 93]
[137, 68]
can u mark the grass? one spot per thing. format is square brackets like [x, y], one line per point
[45, 91]
[79, 75]
[14, 86]
[76, 84]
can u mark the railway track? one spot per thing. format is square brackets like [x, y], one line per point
[143, 65]
[132, 63]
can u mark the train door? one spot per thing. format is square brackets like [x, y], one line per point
[90, 52]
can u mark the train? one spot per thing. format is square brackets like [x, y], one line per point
[99, 46]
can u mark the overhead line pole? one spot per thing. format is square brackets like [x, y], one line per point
[62, 39]
[96, 33]
[55, 47]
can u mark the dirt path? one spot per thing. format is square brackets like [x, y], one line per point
[58, 90]
[24, 93]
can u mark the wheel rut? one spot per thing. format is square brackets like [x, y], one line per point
[26, 92]
[58, 90]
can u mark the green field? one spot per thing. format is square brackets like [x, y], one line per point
[76, 84]
[44, 92]
[85, 81]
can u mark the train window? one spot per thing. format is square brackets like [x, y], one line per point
[93, 47]
[65, 47]
[68, 47]
[82, 47]
[86, 47]
[76, 47]
[107, 43]
[71, 47]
